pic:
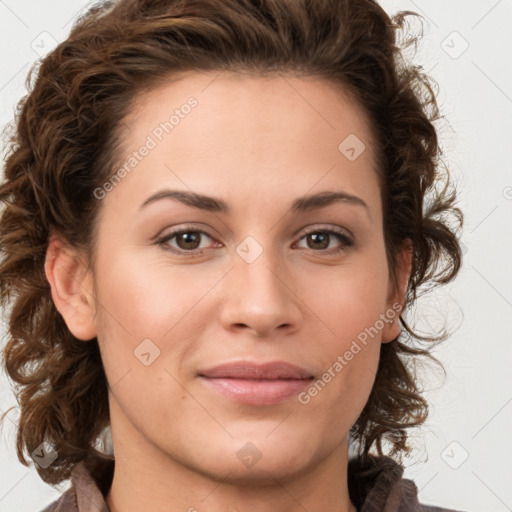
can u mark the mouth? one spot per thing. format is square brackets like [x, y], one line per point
[257, 384]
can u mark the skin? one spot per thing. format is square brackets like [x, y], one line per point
[258, 144]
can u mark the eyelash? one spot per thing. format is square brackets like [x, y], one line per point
[342, 237]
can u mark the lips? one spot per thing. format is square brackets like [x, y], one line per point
[257, 384]
[246, 370]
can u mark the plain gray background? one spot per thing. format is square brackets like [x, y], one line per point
[463, 453]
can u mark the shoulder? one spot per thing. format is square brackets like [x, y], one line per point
[431, 508]
[65, 503]
[376, 483]
[89, 484]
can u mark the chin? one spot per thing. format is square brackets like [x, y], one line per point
[263, 473]
[257, 463]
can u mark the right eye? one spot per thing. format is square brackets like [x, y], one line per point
[187, 241]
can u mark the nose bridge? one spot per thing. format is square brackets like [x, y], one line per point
[257, 270]
[258, 295]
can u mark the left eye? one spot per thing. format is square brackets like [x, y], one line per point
[189, 241]
[321, 239]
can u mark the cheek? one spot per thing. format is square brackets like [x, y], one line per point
[141, 300]
[148, 298]
[349, 310]
[349, 306]
[348, 299]
[141, 312]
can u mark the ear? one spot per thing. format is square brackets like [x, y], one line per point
[397, 291]
[71, 287]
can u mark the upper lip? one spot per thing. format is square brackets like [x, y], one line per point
[248, 370]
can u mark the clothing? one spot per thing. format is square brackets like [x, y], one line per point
[374, 486]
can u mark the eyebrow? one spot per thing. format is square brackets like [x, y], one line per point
[300, 205]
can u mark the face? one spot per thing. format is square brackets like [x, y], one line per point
[250, 277]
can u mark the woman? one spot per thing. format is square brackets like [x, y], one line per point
[171, 172]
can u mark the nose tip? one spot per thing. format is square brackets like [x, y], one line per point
[258, 298]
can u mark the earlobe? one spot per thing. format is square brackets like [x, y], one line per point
[398, 290]
[71, 288]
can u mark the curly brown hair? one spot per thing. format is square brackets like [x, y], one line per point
[64, 146]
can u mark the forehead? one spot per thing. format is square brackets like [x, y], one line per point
[261, 104]
[248, 134]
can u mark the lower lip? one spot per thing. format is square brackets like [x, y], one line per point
[257, 392]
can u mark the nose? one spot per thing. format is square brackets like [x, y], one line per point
[258, 296]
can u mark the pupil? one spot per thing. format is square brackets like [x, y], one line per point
[188, 238]
[315, 237]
